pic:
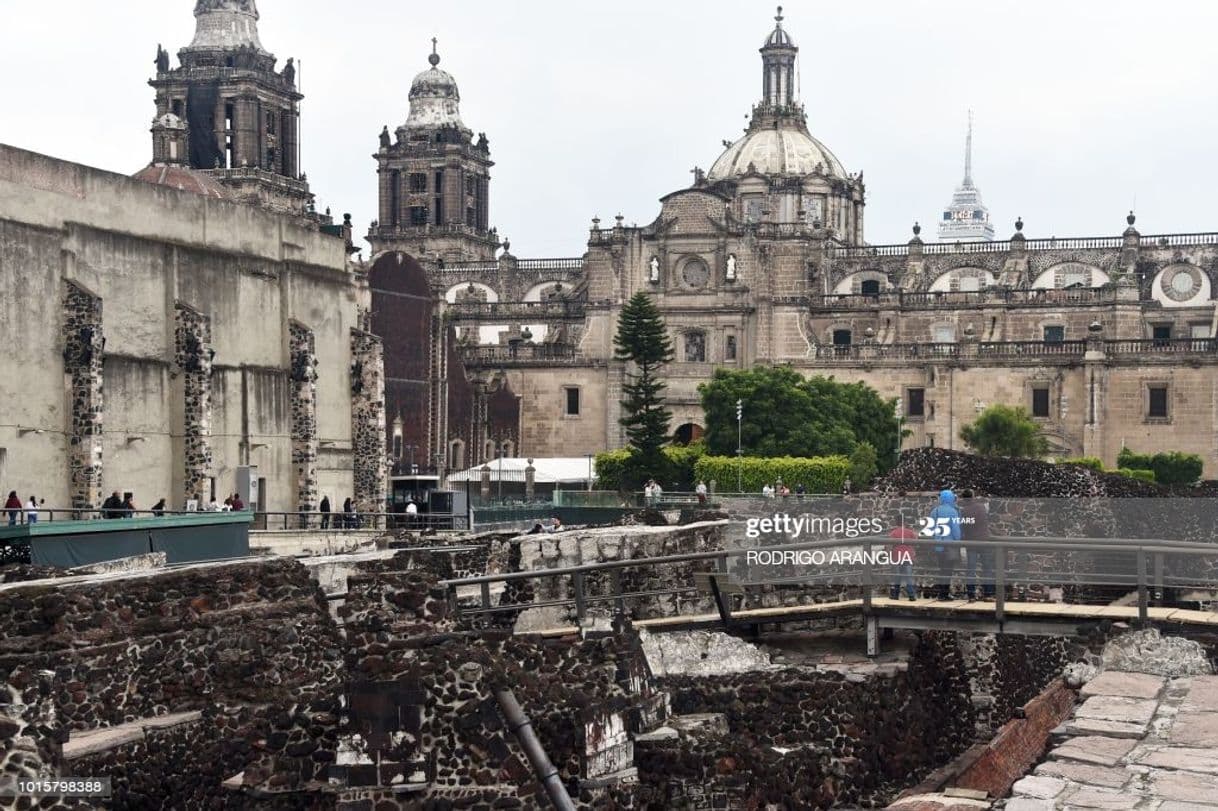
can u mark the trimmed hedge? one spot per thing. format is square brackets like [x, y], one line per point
[612, 465]
[1169, 468]
[1143, 475]
[824, 474]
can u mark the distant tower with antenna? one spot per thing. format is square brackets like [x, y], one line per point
[966, 219]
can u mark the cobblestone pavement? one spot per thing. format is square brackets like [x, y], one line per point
[1136, 742]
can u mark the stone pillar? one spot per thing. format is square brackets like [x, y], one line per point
[84, 345]
[530, 481]
[194, 359]
[486, 483]
[304, 415]
[368, 422]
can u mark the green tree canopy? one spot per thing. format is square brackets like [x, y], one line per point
[1005, 431]
[786, 414]
[643, 341]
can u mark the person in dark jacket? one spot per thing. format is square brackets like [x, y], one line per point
[349, 519]
[945, 526]
[325, 512]
[975, 526]
[13, 506]
[113, 506]
[158, 509]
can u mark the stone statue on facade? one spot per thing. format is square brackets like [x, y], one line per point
[162, 59]
[289, 72]
[385, 137]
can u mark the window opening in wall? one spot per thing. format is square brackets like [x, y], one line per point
[4, 467]
[418, 215]
[212, 489]
[695, 347]
[418, 182]
[1157, 403]
[262, 496]
[177, 107]
[572, 402]
[395, 197]
[1040, 402]
[471, 217]
[841, 337]
[870, 287]
[397, 446]
[1199, 330]
[439, 191]
[915, 402]
[1055, 335]
[270, 123]
[1161, 334]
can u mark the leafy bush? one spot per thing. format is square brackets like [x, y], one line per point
[1093, 462]
[1144, 475]
[619, 470]
[1169, 468]
[863, 466]
[822, 474]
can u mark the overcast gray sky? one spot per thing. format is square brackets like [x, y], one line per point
[1082, 106]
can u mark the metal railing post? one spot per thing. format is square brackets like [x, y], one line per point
[1143, 607]
[867, 578]
[1000, 583]
[1158, 578]
[581, 606]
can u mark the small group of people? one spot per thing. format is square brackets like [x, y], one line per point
[117, 506]
[780, 490]
[652, 493]
[16, 509]
[555, 525]
[953, 522]
[348, 518]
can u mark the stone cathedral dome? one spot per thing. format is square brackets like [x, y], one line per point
[226, 24]
[785, 149]
[435, 100]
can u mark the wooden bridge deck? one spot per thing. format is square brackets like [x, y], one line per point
[1019, 617]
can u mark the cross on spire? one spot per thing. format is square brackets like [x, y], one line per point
[434, 59]
[779, 16]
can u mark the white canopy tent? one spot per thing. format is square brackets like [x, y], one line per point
[570, 470]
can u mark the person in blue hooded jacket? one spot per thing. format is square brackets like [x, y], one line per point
[945, 526]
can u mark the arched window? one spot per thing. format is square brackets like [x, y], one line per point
[870, 287]
[456, 455]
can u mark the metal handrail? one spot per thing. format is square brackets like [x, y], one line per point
[291, 520]
[1142, 547]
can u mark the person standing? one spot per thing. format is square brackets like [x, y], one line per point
[31, 511]
[348, 515]
[701, 491]
[112, 507]
[945, 527]
[13, 506]
[979, 566]
[158, 509]
[325, 512]
[238, 503]
[412, 514]
[903, 554]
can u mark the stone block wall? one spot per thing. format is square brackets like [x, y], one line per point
[250, 645]
[194, 355]
[83, 351]
[303, 353]
[368, 421]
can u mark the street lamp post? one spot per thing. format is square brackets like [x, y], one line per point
[740, 446]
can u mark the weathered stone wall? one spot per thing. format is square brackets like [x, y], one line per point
[84, 345]
[815, 739]
[368, 421]
[140, 248]
[194, 359]
[303, 351]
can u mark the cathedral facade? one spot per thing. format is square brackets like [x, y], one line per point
[1107, 341]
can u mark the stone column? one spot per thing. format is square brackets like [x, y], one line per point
[84, 345]
[368, 421]
[303, 375]
[486, 483]
[194, 358]
[530, 481]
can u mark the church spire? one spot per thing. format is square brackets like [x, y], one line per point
[968, 154]
[778, 70]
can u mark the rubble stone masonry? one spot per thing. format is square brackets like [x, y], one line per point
[84, 347]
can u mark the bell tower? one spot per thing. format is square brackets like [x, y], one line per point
[434, 178]
[241, 118]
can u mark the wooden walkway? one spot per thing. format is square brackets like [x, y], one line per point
[928, 614]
